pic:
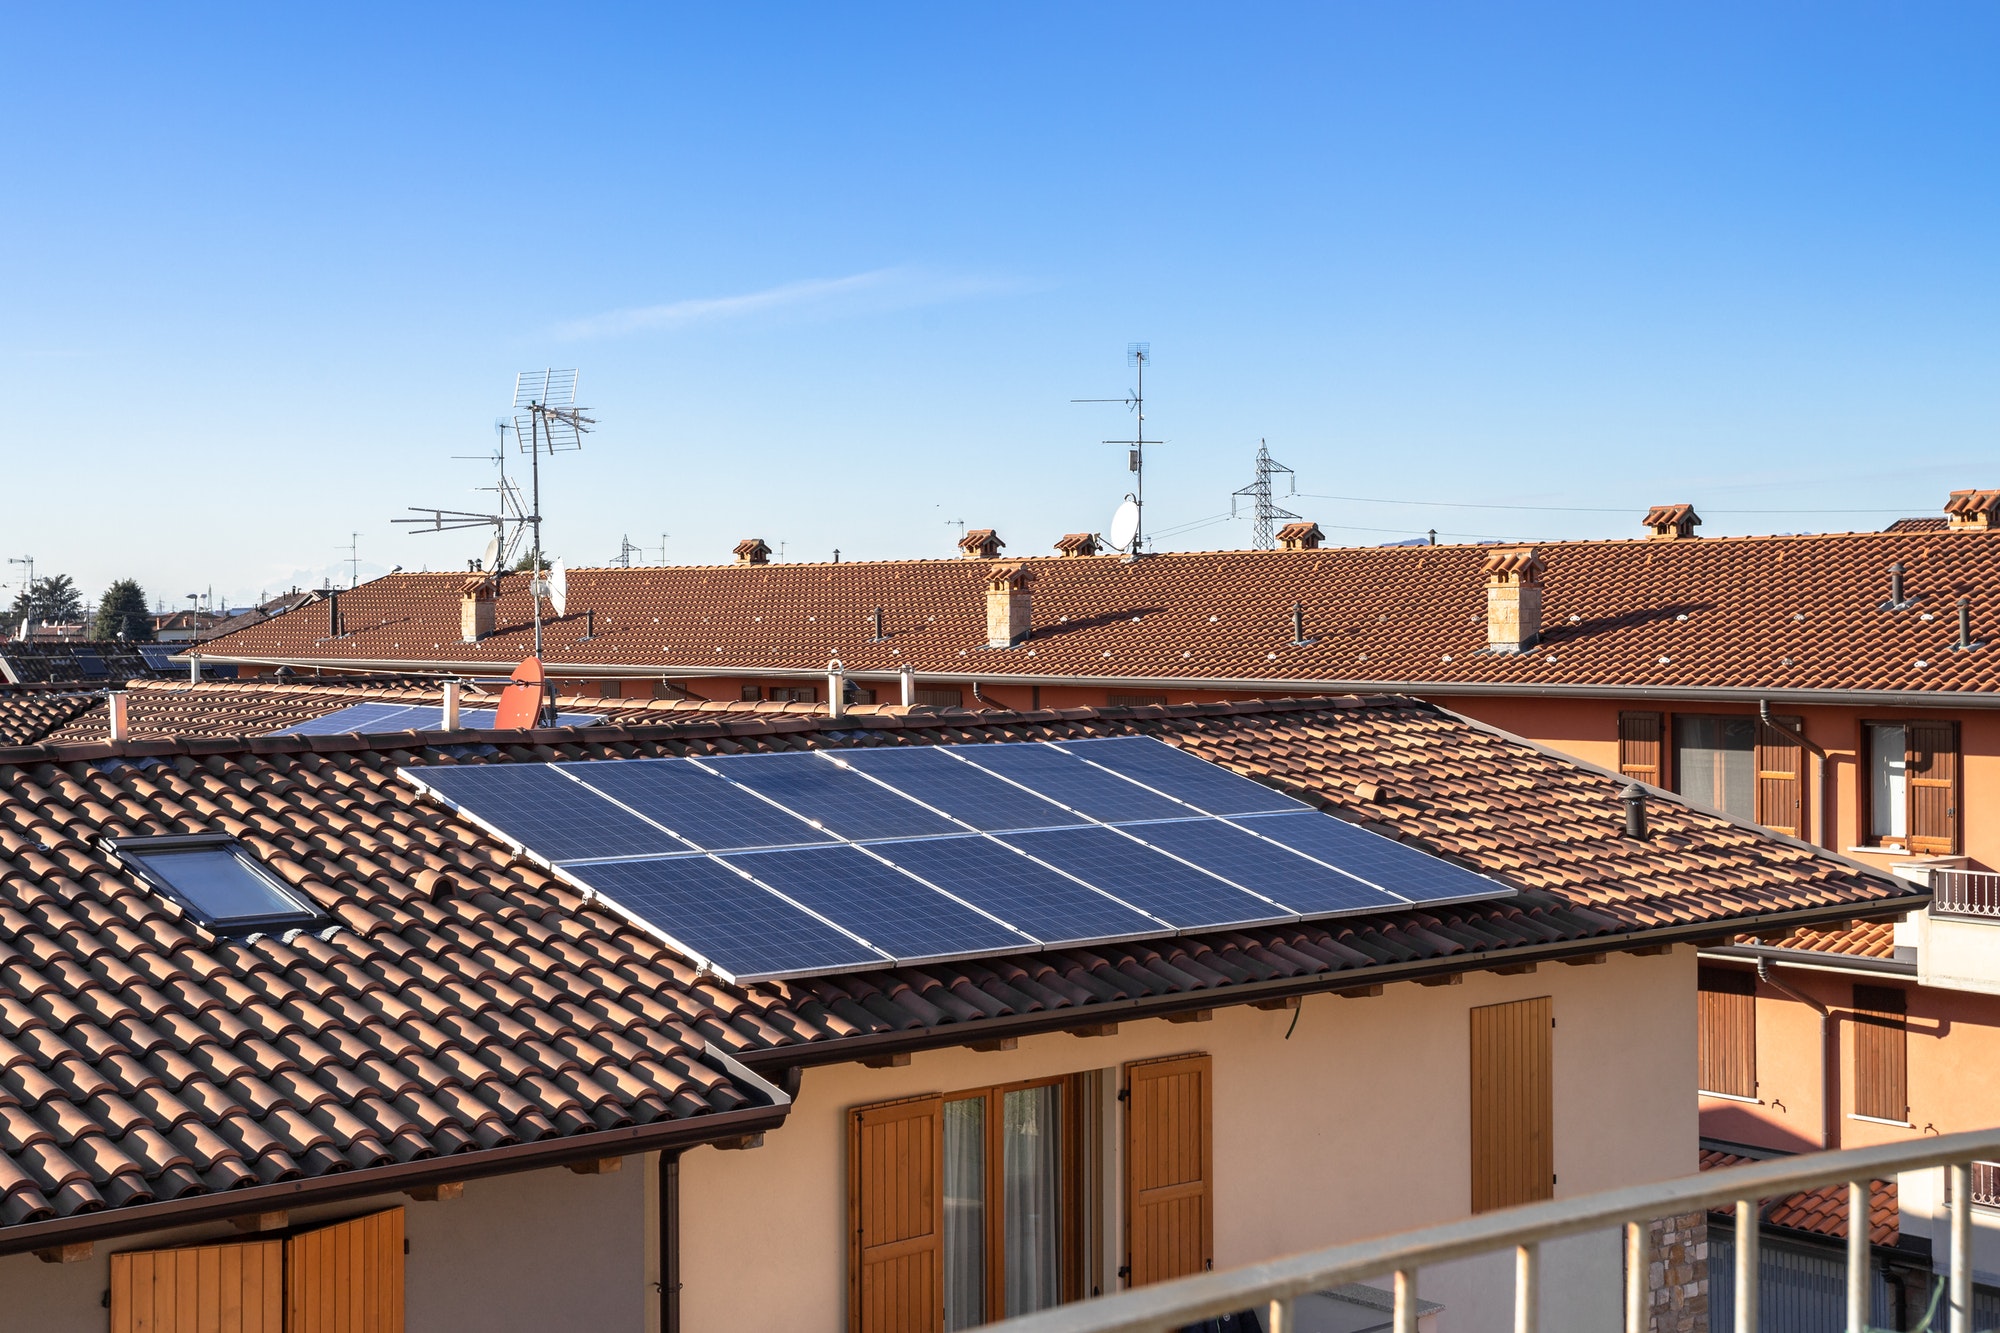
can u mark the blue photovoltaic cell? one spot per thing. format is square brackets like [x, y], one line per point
[743, 931]
[92, 665]
[1200, 783]
[706, 810]
[960, 790]
[157, 656]
[362, 718]
[879, 903]
[833, 796]
[1021, 892]
[544, 811]
[1402, 870]
[1307, 887]
[1154, 883]
[1063, 777]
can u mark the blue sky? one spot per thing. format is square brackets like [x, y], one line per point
[832, 274]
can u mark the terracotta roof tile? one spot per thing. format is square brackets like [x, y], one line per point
[1823, 1212]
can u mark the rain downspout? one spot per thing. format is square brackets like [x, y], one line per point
[670, 1242]
[1829, 1078]
[1828, 835]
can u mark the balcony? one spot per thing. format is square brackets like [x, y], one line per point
[1968, 893]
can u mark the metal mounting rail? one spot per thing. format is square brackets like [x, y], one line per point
[1272, 1287]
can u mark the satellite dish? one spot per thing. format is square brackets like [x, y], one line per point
[559, 588]
[490, 559]
[1125, 524]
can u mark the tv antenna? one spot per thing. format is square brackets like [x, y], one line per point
[1258, 493]
[546, 413]
[353, 549]
[508, 522]
[1138, 356]
[663, 546]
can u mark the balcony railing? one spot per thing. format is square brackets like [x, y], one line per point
[1273, 1286]
[1965, 893]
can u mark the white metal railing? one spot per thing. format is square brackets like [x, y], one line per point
[1965, 892]
[1273, 1286]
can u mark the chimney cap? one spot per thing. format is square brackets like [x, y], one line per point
[753, 551]
[1301, 536]
[1078, 543]
[1012, 576]
[981, 544]
[1672, 522]
[1973, 508]
[1522, 563]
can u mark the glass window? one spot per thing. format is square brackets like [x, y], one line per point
[965, 1213]
[1031, 1150]
[218, 882]
[1888, 765]
[1715, 759]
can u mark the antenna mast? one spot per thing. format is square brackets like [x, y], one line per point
[1258, 493]
[1138, 356]
[353, 549]
[546, 402]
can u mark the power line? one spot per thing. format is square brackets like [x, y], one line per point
[1591, 509]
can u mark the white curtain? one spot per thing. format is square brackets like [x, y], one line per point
[1716, 759]
[965, 1213]
[1031, 1157]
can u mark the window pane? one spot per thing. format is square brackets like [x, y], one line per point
[219, 885]
[1031, 1150]
[1886, 793]
[965, 1213]
[1716, 760]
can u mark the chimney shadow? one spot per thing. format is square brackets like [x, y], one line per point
[1564, 631]
[1075, 624]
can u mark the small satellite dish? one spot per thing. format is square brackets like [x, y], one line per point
[490, 559]
[1125, 524]
[559, 588]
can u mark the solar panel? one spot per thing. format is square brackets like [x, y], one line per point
[91, 664]
[1305, 886]
[356, 718]
[157, 656]
[895, 913]
[535, 806]
[972, 795]
[1061, 776]
[1026, 894]
[1154, 883]
[1179, 774]
[707, 810]
[722, 920]
[831, 796]
[1404, 871]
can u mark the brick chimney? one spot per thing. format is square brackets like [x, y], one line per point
[1671, 523]
[753, 551]
[1513, 599]
[980, 544]
[1973, 510]
[1300, 537]
[478, 599]
[1008, 616]
[1077, 543]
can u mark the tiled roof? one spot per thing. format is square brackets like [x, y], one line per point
[1759, 614]
[464, 999]
[1822, 1212]
[1918, 525]
[30, 714]
[1862, 939]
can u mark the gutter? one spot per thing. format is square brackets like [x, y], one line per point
[667, 1136]
[1806, 960]
[1829, 1064]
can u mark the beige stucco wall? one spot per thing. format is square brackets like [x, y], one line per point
[1357, 1125]
[517, 1254]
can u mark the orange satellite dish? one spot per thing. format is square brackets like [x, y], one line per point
[521, 700]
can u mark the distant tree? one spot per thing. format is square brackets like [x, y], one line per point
[53, 599]
[122, 613]
[526, 564]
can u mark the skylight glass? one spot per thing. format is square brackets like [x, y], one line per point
[218, 882]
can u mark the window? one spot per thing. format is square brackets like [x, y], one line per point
[795, 694]
[1513, 1098]
[752, 694]
[610, 689]
[1714, 758]
[220, 884]
[940, 697]
[1880, 1041]
[1913, 785]
[1135, 700]
[1727, 1019]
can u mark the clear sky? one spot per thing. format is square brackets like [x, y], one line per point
[832, 273]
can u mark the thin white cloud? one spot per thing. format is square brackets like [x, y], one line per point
[879, 289]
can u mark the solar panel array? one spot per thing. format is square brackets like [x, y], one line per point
[801, 863]
[371, 718]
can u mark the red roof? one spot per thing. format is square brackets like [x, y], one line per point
[1823, 1212]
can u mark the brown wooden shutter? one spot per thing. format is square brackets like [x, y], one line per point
[1641, 747]
[1169, 1185]
[1880, 1040]
[1727, 1008]
[346, 1278]
[1513, 1115]
[1781, 763]
[234, 1288]
[1932, 779]
[895, 1190]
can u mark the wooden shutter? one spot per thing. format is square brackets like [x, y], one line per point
[1880, 1039]
[1169, 1189]
[1932, 779]
[234, 1288]
[1641, 747]
[895, 1190]
[1781, 762]
[1727, 1008]
[346, 1278]
[1513, 1114]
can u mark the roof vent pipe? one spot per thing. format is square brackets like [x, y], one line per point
[1298, 623]
[194, 669]
[836, 689]
[120, 729]
[1964, 624]
[908, 674]
[1634, 798]
[1896, 601]
[451, 695]
[879, 636]
[333, 615]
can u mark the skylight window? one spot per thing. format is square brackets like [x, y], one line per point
[220, 884]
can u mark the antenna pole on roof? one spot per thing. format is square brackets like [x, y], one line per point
[1138, 356]
[1262, 511]
[353, 549]
[555, 423]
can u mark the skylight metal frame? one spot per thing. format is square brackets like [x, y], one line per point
[131, 854]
